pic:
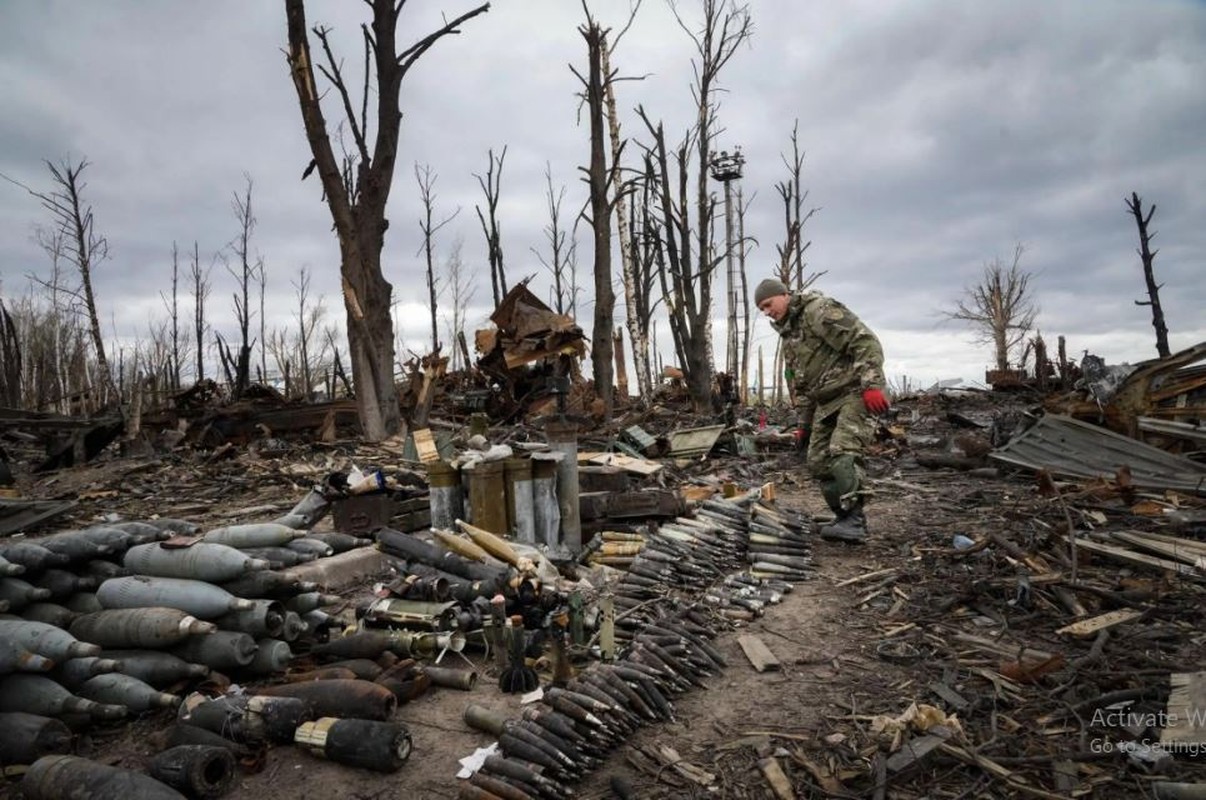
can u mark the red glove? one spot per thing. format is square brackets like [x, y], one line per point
[801, 437]
[875, 401]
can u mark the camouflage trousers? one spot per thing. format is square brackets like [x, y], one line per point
[841, 431]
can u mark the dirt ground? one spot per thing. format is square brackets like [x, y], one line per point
[814, 712]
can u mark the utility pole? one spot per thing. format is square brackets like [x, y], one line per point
[726, 168]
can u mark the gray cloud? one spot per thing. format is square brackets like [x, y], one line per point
[937, 136]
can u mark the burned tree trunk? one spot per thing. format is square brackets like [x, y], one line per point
[1135, 205]
[600, 220]
[358, 190]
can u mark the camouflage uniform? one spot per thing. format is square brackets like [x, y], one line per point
[831, 357]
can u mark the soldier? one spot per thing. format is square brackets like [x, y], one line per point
[834, 364]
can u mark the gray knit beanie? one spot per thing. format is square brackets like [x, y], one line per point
[769, 288]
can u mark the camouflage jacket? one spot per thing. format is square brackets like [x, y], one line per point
[828, 352]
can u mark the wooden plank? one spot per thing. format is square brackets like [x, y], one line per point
[1090, 627]
[1132, 557]
[639, 466]
[426, 446]
[758, 653]
[1186, 553]
[1185, 711]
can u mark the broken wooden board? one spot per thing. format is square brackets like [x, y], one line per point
[425, 446]
[1090, 627]
[694, 441]
[1185, 713]
[1122, 554]
[758, 653]
[1186, 551]
[639, 466]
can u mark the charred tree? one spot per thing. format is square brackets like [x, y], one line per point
[492, 189]
[598, 179]
[1148, 256]
[238, 369]
[200, 280]
[426, 179]
[562, 247]
[357, 190]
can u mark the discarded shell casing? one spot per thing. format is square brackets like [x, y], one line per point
[201, 561]
[24, 738]
[264, 618]
[199, 598]
[271, 655]
[156, 667]
[251, 718]
[322, 674]
[64, 777]
[265, 584]
[118, 689]
[83, 603]
[183, 733]
[73, 673]
[308, 601]
[318, 548]
[14, 658]
[258, 534]
[308, 511]
[46, 640]
[115, 538]
[37, 694]
[484, 719]
[446, 497]
[75, 546]
[463, 679]
[493, 544]
[278, 557]
[222, 650]
[61, 583]
[142, 532]
[20, 593]
[9, 568]
[173, 525]
[362, 644]
[501, 787]
[413, 613]
[413, 549]
[461, 545]
[354, 698]
[33, 557]
[294, 627]
[363, 668]
[405, 680]
[197, 770]
[340, 542]
[137, 628]
[102, 570]
[381, 746]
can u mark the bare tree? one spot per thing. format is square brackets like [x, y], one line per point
[791, 251]
[598, 179]
[357, 190]
[238, 368]
[562, 248]
[85, 249]
[462, 286]
[689, 261]
[176, 347]
[200, 292]
[1148, 256]
[637, 328]
[492, 188]
[427, 179]
[1000, 308]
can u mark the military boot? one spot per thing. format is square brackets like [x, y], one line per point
[850, 527]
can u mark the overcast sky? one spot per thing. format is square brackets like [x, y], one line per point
[937, 137]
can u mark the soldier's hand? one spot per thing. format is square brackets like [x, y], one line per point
[801, 436]
[875, 401]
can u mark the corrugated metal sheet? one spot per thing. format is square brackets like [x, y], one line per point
[1071, 448]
